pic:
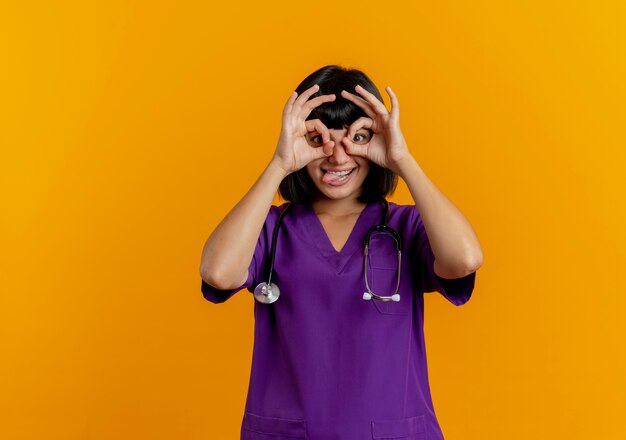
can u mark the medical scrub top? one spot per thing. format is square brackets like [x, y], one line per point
[327, 364]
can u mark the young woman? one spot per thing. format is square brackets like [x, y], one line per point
[339, 346]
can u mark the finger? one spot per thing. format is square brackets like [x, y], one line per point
[312, 103]
[360, 102]
[360, 123]
[304, 96]
[378, 106]
[289, 104]
[315, 125]
[395, 105]
[354, 149]
[329, 147]
[323, 151]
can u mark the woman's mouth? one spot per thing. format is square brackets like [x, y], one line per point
[337, 178]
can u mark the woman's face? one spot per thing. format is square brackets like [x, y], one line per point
[334, 185]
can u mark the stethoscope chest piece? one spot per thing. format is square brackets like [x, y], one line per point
[268, 292]
[369, 295]
[265, 293]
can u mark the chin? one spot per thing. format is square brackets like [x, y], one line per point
[334, 195]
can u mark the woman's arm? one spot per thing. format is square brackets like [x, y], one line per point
[228, 252]
[229, 249]
[452, 239]
[454, 244]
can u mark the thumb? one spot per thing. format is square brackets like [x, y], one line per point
[355, 149]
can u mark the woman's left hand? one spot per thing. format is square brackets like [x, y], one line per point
[387, 146]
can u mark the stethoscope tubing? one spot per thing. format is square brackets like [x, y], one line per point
[274, 238]
[268, 293]
[383, 228]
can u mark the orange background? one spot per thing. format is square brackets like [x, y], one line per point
[129, 130]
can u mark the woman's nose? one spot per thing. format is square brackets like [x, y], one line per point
[339, 152]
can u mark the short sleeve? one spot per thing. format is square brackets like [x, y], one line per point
[256, 269]
[456, 290]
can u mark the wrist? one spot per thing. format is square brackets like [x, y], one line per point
[405, 166]
[275, 168]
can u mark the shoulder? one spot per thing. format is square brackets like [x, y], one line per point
[405, 212]
[275, 210]
[272, 215]
[294, 210]
[399, 207]
[405, 218]
[410, 212]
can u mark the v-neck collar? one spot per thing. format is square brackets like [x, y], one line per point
[316, 232]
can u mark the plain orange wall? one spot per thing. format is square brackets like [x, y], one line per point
[130, 128]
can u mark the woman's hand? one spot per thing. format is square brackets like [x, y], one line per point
[387, 146]
[294, 151]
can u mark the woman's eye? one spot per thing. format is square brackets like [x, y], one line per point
[314, 140]
[360, 137]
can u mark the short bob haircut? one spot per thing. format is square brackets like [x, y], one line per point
[298, 187]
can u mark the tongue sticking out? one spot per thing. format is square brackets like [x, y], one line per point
[331, 178]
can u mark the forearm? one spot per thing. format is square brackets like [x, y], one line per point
[453, 241]
[229, 249]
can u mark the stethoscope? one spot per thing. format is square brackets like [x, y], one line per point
[268, 292]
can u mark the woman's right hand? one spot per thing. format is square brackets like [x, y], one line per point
[294, 150]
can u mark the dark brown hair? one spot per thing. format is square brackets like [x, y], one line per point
[380, 182]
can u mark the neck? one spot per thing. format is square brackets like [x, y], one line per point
[337, 208]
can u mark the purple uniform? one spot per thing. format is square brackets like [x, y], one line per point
[327, 364]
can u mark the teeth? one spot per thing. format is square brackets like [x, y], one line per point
[340, 173]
